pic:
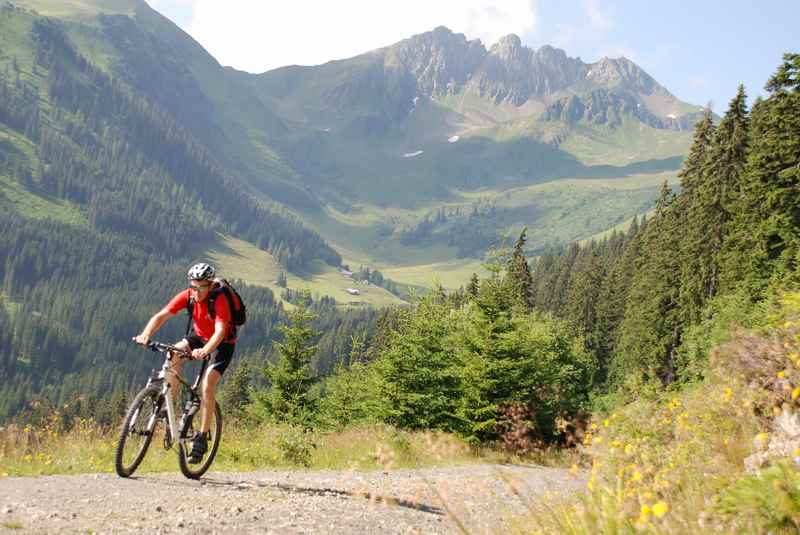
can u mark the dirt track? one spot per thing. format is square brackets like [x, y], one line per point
[471, 498]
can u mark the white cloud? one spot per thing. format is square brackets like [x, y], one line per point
[256, 36]
[598, 20]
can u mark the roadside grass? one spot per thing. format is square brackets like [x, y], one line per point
[88, 448]
[674, 462]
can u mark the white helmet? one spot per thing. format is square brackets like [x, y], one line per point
[201, 272]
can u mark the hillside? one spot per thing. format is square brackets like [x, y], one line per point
[126, 150]
[389, 139]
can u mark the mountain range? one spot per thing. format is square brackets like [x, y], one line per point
[423, 152]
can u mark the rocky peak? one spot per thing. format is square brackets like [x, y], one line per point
[623, 73]
[509, 48]
[441, 61]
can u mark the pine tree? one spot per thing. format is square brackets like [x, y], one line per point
[473, 286]
[519, 272]
[290, 379]
[690, 173]
[712, 179]
[765, 246]
[282, 280]
[650, 331]
[582, 297]
[236, 394]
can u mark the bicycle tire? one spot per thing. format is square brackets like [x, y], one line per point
[148, 400]
[187, 430]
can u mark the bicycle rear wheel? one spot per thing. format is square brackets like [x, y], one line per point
[137, 430]
[191, 425]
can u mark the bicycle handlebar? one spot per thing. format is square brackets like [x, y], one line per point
[161, 347]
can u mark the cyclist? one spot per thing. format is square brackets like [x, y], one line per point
[212, 338]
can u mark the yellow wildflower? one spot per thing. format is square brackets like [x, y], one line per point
[637, 476]
[573, 469]
[645, 510]
[590, 484]
[796, 393]
[781, 374]
[728, 394]
[660, 509]
[593, 426]
[629, 448]
[606, 422]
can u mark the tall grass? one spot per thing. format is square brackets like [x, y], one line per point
[675, 462]
[87, 447]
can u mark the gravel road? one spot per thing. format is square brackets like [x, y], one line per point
[461, 499]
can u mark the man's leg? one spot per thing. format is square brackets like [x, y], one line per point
[177, 364]
[210, 381]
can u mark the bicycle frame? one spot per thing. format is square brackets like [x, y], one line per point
[167, 372]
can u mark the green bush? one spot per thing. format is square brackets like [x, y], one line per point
[765, 503]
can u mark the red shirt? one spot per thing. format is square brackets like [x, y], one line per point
[202, 321]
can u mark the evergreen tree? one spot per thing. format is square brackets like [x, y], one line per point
[691, 170]
[650, 331]
[290, 379]
[765, 246]
[282, 280]
[236, 393]
[473, 286]
[710, 211]
[582, 297]
[519, 272]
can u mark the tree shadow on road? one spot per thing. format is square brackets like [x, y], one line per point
[310, 491]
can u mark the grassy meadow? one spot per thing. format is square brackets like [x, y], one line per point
[557, 211]
[238, 259]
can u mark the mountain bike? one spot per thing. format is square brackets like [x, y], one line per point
[153, 404]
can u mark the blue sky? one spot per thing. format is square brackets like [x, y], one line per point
[700, 50]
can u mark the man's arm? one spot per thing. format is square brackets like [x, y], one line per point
[155, 323]
[216, 339]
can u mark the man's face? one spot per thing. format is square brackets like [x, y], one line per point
[199, 289]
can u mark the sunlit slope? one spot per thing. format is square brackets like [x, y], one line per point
[238, 259]
[78, 9]
[429, 245]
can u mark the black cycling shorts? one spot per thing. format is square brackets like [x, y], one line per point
[220, 358]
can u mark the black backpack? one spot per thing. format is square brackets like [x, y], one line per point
[235, 304]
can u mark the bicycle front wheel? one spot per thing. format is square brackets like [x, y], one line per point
[137, 430]
[191, 425]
